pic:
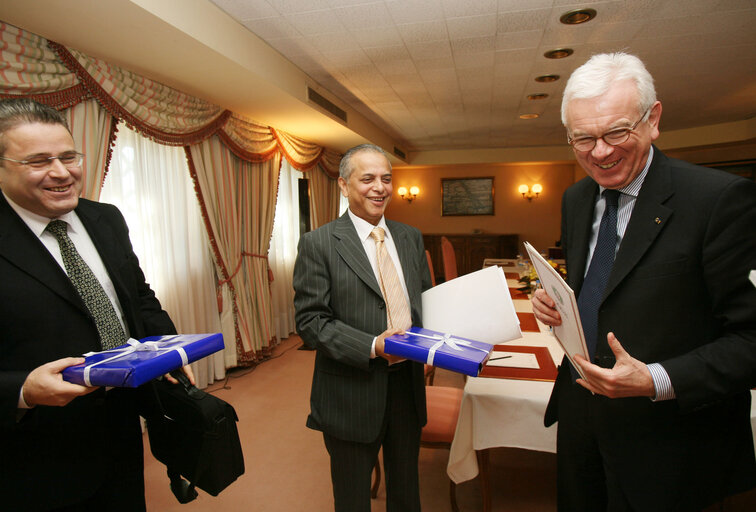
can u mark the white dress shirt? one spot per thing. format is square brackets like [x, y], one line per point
[364, 228]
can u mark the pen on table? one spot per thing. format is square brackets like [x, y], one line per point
[497, 358]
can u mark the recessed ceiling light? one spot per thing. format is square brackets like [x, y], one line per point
[547, 78]
[529, 116]
[538, 96]
[577, 16]
[559, 53]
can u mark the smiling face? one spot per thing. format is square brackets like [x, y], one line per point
[369, 186]
[50, 192]
[613, 166]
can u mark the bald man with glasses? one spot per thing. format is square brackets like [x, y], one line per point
[658, 252]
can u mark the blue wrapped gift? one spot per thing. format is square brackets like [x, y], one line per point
[137, 362]
[439, 349]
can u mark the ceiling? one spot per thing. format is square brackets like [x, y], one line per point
[454, 74]
[444, 81]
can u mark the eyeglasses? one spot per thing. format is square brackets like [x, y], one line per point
[70, 159]
[613, 137]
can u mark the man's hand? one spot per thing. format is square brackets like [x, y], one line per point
[45, 384]
[187, 371]
[544, 308]
[380, 342]
[629, 377]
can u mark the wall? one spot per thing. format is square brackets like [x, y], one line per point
[536, 221]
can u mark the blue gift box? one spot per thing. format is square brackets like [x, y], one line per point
[137, 362]
[439, 349]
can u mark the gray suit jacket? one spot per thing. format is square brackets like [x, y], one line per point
[678, 295]
[339, 310]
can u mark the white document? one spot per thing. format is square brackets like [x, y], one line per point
[752, 277]
[570, 332]
[513, 360]
[476, 306]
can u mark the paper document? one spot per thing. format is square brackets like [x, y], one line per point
[570, 332]
[752, 277]
[513, 360]
[477, 306]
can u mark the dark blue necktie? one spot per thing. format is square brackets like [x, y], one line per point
[592, 291]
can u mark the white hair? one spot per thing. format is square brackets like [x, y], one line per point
[594, 78]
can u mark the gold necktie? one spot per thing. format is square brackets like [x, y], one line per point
[89, 288]
[397, 310]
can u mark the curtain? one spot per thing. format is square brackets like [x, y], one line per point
[93, 129]
[238, 201]
[283, 250]
[105, 93]
[168, 236]
[324, 197]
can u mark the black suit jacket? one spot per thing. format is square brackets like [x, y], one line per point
[339, 310]
[678, 295]
[57, 455]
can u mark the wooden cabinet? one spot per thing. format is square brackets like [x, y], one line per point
[470, 250]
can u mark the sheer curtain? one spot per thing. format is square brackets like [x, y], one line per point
[283, 250]
[150, 184]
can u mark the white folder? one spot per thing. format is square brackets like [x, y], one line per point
[476, 306]
[570, 332]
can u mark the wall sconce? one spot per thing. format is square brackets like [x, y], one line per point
[530, 192]
[413, 192]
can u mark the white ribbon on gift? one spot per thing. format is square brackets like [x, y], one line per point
[447, 340]
[136, 346]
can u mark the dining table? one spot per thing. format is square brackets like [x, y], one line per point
[505, 406]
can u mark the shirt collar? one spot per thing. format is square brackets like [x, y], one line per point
[364, 228]
[37, 223]
[634, 187]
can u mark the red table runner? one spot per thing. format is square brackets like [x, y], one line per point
[546, 370]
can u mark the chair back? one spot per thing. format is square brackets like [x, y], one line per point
[430, 267]
[450, 259]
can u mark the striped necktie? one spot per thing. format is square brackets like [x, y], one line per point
[397, 309]
[592, 291]
[89, 288]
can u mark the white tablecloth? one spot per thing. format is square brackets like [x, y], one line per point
[503, 412]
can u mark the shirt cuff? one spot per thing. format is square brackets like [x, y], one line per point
[21, 402]
[662, 383]
[372, 348]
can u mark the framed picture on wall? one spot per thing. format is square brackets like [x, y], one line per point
[467, 196]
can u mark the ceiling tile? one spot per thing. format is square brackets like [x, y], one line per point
[424, 31]
[472, 26]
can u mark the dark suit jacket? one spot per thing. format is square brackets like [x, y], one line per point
[678, 295]
[339, 310]
[58, 455]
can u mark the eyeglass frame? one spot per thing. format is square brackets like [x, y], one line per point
[630, 130]
[49, 160]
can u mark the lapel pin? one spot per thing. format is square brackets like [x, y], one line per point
[657, 220]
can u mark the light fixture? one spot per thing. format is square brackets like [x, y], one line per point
[413, 192]
[530, 192]
[529, 116]
[559, 53]
[577, 16]
[547, 78]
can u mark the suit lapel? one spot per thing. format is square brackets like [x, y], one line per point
[351, 250]
[649, 217]
[22, 248]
